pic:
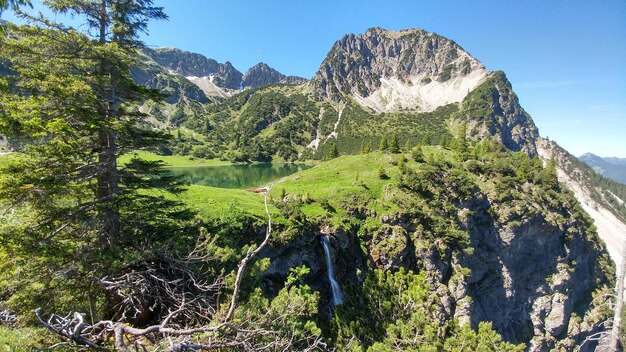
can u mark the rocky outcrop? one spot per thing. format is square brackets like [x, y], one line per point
[261, 75]
[390, 71]
[527, 279]
[493, 110]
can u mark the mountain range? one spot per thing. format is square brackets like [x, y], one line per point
[613, 168]
[163, 68]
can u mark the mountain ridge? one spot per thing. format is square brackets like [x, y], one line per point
[186, 76]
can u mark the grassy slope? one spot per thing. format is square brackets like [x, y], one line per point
[355, 177]
[172, 160]
[212, 202]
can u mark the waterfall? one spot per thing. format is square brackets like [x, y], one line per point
[336, 289]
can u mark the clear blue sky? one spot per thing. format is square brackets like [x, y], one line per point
[566, 59]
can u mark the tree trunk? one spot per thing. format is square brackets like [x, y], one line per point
[108, 178]
[108, 187]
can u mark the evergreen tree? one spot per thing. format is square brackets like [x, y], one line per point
[407, 146]
[365, 148]
[462, 145]
[394, 144]
[444, 141]
[383, 145]
[13, 4]
[417, 154]
[69, 103]
[333, 152]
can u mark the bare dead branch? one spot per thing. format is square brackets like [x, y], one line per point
[249, 256]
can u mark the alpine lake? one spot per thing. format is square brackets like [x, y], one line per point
[237, 176]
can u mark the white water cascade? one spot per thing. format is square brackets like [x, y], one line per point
[336, 289]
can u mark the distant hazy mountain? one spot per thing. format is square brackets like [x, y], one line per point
[611, 167]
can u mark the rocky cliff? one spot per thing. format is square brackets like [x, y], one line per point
[605, 207]
[493, 110]
[521, 254]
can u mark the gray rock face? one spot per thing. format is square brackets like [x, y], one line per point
[191, 64]
[182, 62]
[357, 64]
[226, 76]
[262, 75]
[493, 110]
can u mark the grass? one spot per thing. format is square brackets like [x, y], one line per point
[211, 202]
[355, 178]
[26, 339]
[172, 160]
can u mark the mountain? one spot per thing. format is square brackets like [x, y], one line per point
[196, 65]
[405, 70]
[425, 89]
[616, 161]
[432, 88]
[613, 168]
[261, 75]
[214, 79]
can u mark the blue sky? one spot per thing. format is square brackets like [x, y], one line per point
[566, 59]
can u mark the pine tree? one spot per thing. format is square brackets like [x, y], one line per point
[407, 146]
[13, 4]
[417, 154]
[394, 144]
[117, 24]
[461, 143]
[383, 146]
[69, 105]
[365, 148]
[333, 152]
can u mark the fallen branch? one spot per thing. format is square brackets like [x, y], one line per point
[249, 256]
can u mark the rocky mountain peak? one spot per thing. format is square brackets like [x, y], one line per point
[398, 70]
[262, 74]
[182, 62]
